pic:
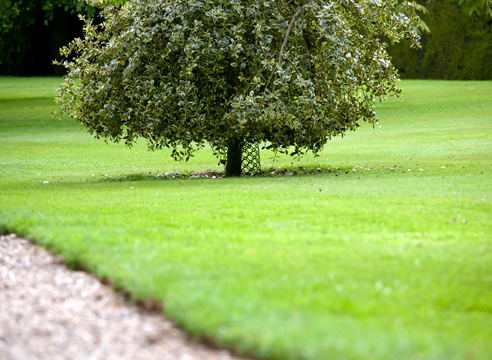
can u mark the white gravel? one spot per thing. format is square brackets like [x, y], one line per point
[48, 311]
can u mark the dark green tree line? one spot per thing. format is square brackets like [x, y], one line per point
[32, 31]
[458, 47]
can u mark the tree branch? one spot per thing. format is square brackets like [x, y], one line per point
[289, 29]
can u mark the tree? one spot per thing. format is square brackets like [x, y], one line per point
[477, 6]
[288, 73]
[28, 28]
[457, 48]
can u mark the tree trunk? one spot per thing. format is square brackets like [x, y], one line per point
[59, 36]
[234, 158]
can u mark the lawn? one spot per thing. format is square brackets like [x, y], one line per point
[388, 256]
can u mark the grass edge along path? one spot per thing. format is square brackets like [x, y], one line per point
[390, 260]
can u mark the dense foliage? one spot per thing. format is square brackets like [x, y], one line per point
[458, 46]
[25, 36]
[477, 6]
[185, 73]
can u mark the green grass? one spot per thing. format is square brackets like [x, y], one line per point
[373, 264]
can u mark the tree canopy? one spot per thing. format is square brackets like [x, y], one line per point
[288, 73]
[456, 48]
[19, 12]
[26, 43]
[477, 6]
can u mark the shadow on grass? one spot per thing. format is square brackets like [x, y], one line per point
[311, 170]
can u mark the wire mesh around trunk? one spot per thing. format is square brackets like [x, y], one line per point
[250, 163]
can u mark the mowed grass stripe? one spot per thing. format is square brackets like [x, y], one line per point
[376, 263]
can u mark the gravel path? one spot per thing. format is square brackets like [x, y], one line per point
[48, 311]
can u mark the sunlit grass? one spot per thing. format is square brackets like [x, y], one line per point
[391, 260]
